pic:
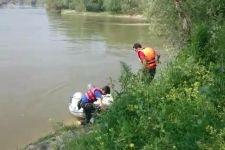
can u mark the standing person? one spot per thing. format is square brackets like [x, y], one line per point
[88, 99]
[149, 57]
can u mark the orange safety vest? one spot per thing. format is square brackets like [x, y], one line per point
[91, 94]
[150, 55]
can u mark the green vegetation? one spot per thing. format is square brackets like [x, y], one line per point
[185, 107]
[114, 6]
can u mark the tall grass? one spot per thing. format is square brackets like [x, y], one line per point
[114, 6]
[183, 109]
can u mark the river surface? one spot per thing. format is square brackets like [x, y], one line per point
[45, 58]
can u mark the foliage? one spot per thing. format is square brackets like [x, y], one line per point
[163, 18]
[94, 5]
[173, 112]
[55, 4]
[176, 18]
[114, 6]
[184, 107]
[78, 5]
[123, 6]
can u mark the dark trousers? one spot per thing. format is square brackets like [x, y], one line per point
[89, 108]
[148, 74]
[152, 72]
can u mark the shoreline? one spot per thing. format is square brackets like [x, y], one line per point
[64, 132]
[72, 129]
[102, 14]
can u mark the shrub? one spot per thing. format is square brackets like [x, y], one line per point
[184, 107]
[55, 5]
[112, 5]
[94, 6]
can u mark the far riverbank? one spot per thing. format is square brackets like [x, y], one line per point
[102, 14]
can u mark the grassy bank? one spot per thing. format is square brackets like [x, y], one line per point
[182, 109]
[102, 14]
[113, 6]
[185, 107]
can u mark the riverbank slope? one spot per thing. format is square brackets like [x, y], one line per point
[102, 14]
[184, 107]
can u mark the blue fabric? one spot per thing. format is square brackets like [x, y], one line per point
[97, 94]
[84, 99]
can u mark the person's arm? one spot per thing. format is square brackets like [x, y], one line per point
[142, 58]
[99, 97]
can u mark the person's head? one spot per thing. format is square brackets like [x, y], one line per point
[106, 89]
[137, 46]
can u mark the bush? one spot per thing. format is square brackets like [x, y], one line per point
[55, 5]
[94, 6]
[78, 5]
[170, 113]
[184, 107]
[112, 5]
[123, 6]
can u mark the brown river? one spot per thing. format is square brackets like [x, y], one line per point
[45, 58]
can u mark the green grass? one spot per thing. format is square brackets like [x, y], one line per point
[182, 109]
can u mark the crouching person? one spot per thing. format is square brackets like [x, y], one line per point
[88, 99]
